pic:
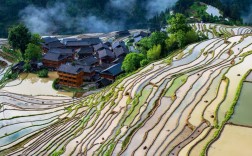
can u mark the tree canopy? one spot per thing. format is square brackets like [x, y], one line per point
[19, 37]
[154, 53]
[132, 62]
[33, 52]
[178, 23]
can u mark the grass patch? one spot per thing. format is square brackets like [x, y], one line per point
[137, 106]
[177, 83]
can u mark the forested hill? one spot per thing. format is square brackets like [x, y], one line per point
[239, 10]
[78, 16]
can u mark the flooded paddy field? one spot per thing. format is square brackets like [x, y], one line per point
[242, 114]
[164, 109]
[31, 84]
[234, 141]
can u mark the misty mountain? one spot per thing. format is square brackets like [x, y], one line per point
[79, 16]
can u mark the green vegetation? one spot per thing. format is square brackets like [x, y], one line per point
[154, 53]
[242, 114]
[19, 37]
[159, 45]
[233, 9]
[136, 106]
[58, 153]
[132, 62]
[33, 52]
[177, 83]
[43, 73]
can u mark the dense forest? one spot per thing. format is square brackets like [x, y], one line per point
[74, 16]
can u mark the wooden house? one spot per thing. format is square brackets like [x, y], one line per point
[51, 43]
[120, 52]
[84, 52]
[74, 75]
[106, 56]
[112, 72]
[54, 60]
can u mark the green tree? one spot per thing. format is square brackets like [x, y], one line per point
[144, 62]
[178, 23]
[181, 38]
[171, 43]
[36, 39]
[154, 53]
[157, 38]
[33, 52]
[19, 37]
[27, 67]
[132, 62]
[191, 37]
[154, 39]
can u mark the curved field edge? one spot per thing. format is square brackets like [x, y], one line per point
[220, 128]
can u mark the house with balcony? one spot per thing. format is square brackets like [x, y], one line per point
[74, 75]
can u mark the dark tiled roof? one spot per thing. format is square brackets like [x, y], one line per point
[120, 51]
[74, 69]
[61, 51]
[49, 39]
[113, 70]
[118, 60]
[77, 43]
[56, 44]
[92, 41]
[118, 44]
[141, 33]
[137, 39]
[108, 44]
[100, 46]
[85, 50]
[54, 56]
[133, 49]
[74, 42]
[65, 40]
[88, 61]
[105, 52]
[104, 82]
[124, 32]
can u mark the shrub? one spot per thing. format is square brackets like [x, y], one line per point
[144, 62]
[43, 73]
[154, 53]
[27, 67]
[132, 62]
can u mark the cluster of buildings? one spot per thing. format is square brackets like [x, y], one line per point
[80, 61]
[84, 60]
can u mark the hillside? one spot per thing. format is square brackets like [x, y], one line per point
[180, 105]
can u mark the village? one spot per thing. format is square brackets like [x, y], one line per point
[87, 61]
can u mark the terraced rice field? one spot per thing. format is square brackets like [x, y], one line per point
[182, 108]
[215, 30]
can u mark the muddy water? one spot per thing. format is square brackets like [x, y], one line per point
[231, 140]
[31, 84]
[242, 114]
